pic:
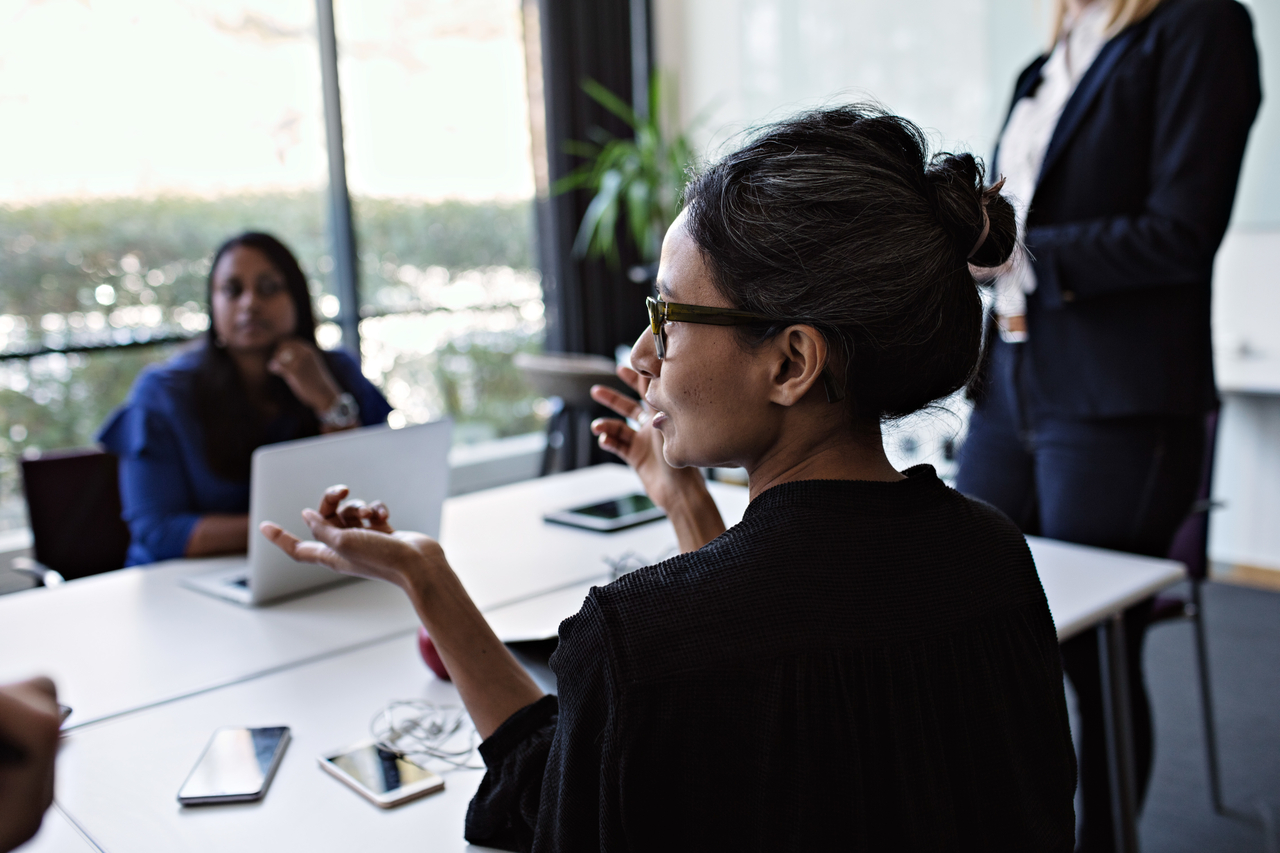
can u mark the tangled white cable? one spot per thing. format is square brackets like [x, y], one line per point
[416, 728]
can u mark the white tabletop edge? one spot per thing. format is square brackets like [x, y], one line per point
[1070, 628]
[261, 673]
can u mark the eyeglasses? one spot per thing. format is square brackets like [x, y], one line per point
[661, 313]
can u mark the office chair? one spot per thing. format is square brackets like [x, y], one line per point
[566, 380]
[73, 504]
[1191, 548]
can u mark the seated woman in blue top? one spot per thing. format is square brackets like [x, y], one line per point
[187, 432]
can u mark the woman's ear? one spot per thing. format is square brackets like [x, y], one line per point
[799, 355]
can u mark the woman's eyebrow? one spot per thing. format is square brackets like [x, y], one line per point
[663, 290]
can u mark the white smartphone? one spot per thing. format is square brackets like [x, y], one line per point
[608, 516]
[382, 777]
[236, 766]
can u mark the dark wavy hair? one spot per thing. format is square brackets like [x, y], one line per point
[233, 426]
[840, 218]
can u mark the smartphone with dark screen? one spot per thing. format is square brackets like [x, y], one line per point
[610, 515]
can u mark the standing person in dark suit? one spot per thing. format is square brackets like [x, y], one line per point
[1122, 152]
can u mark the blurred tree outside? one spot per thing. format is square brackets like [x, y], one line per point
[450, 293]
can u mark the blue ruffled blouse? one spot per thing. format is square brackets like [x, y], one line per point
[166, 484]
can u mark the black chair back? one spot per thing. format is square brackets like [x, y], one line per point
[1191, 542]
[73, 503]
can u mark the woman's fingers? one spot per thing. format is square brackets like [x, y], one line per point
[303, 552]
[619, 402]
[331, 500]
[351, 513]
[378, 516]
[368, 553]
[336, 509]
[614, 435]
[285, 361]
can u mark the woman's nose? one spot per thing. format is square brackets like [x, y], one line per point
[644, 356]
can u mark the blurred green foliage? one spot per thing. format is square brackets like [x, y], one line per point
[84, 269]
[638, 182]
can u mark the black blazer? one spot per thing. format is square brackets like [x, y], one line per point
[1129, 210]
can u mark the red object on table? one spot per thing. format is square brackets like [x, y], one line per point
[430, 656]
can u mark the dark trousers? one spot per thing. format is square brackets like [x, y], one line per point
[1120, 483]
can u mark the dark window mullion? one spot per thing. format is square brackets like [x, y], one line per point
[342, 233]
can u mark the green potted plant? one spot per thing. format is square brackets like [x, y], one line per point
[637, 182]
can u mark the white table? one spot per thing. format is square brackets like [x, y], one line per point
[504, 552]
[1090, 588]
[58, 835]
[159, 666]
[126, 640]
[1086, 586]
[119, 778]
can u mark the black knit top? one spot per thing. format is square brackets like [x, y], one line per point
[861, 664]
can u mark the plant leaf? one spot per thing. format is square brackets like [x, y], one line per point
[596, 234]
[610, 101]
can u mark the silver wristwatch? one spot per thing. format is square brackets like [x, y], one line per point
[345, 412]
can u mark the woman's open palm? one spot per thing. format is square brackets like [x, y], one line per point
[356, 539]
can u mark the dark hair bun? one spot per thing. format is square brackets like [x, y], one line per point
[839, 218]
[959, 195]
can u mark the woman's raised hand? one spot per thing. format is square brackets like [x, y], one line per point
[680, 491]
[356, 539]
[303, 368]
[641, 447]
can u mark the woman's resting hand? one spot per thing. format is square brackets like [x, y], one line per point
[681, 492]
[303, 368]
[218, 533]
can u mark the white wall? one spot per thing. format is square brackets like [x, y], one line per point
[946, 64]
[1246, 528]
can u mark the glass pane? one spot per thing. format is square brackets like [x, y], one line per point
[57, 400]
[173, 126]
[436, 116]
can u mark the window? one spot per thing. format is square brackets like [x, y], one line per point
[177, 125]
[439, 164]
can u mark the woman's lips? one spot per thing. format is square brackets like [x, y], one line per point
[658, 417]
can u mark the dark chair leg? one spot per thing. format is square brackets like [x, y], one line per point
[1206, 700]
[552, 457]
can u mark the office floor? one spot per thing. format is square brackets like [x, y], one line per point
[1244, 653]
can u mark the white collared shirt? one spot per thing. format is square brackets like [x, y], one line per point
[1026, 139]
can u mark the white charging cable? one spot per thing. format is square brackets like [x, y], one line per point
[416, 728]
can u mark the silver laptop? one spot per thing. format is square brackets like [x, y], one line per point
[408, 469]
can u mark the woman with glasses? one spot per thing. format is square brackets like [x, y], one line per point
[866, 661]
[187, 433]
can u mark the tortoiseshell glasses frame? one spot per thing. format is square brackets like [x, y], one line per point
[661, 313]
